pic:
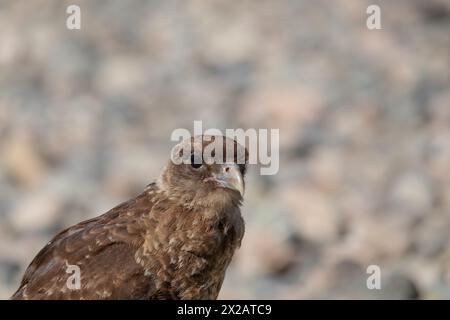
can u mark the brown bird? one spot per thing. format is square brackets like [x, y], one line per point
[173, 241]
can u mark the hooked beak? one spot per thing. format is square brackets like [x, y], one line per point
[230, 177]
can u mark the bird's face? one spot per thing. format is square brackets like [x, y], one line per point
[203, 180]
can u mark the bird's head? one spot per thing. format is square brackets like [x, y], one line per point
[211, 172]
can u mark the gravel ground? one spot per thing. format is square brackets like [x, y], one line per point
[364, 118]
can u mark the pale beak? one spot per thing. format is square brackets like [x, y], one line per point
[230, 177]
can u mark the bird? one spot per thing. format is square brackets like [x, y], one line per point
[175, 240]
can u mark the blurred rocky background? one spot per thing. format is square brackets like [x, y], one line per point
[364, 119]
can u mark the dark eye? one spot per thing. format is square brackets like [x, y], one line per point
[194, 162]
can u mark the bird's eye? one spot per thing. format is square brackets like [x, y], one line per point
[195, 163]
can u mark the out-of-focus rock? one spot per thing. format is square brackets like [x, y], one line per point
[22, 161]
[350, 280]
[327, 167]
[9, 275]
[371, 239]
[8, 271]
[300, 106]
[312, 213]
[36, 213]
[266, 253]
[412, 193]
[398, 287]
[431, 238]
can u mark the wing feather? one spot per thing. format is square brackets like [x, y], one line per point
[103, 248]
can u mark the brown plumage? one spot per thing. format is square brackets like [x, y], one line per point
[173, 241]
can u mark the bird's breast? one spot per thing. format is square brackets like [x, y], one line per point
[190, 253]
